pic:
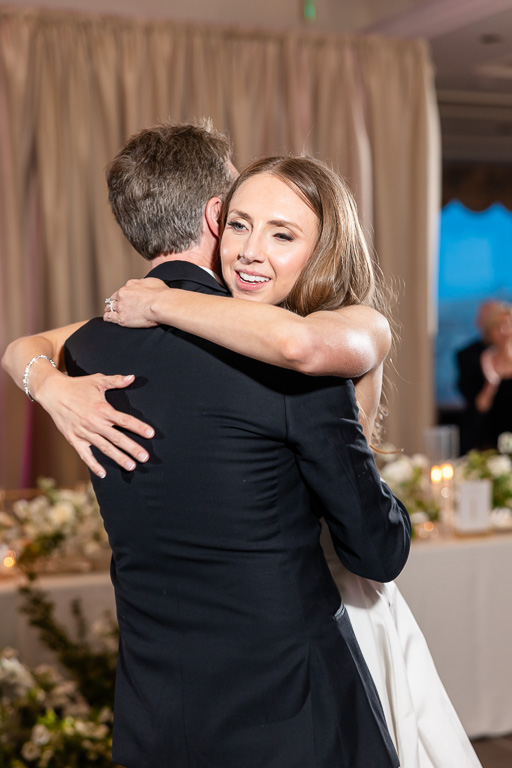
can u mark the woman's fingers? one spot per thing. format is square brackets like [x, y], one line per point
[130, 306]
[85, 453]
[120, 447]
[112, 443]
[80, 411]
[119, 418]
[102, 425]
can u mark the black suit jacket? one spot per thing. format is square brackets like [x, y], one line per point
[229, 652]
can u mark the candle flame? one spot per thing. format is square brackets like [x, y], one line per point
[436, 474]
[10, 559]
[447, 470]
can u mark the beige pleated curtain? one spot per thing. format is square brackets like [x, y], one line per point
[73, 89]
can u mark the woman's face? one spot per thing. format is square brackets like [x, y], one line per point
[501, 329]
[270, 234]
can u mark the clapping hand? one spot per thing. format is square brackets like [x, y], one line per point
[488, 368]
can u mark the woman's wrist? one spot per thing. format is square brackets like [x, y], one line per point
[42, 382]
[485, 397]
[164, 305]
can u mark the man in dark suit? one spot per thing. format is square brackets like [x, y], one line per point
[234, 650]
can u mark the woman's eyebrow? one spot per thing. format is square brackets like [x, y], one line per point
[242, 214]
[285, 223]
[272, 222]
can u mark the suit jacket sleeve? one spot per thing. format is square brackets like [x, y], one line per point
[370, 527]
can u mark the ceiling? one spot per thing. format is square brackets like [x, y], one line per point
[471, 44]
[470, 40]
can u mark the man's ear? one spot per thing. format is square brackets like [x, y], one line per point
[212, 214]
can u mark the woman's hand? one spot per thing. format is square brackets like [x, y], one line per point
[488, 365]
[132, 305]
[85, 418]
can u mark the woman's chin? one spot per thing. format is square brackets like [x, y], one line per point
[251, 296]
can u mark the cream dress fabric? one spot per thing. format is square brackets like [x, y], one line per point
[423, 724]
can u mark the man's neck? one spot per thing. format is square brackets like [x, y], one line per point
[193, 255]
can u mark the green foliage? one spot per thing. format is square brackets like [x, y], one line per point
[48, 720]
[92, 666]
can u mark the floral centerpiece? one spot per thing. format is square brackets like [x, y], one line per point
[493, 465]
[59, 529]
[409, 478]
[46, 722]
[52, 720]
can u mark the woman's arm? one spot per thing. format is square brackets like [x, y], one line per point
[492, 380]
[368, 393]
[347, 342]
[77, 405]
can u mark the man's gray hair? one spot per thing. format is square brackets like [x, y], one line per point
[160, 181]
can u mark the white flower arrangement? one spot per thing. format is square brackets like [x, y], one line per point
[505, 443]
[45, 721]
[492, 465]
[60, 529]
[409, 478]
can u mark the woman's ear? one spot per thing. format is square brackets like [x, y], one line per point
[212, 214]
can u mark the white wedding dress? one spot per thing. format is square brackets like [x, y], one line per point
[423, 724]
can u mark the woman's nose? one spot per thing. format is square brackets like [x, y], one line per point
[252, 250]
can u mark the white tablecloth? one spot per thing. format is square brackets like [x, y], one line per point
[460, 591]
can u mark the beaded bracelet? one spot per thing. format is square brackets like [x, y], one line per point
[27, 369]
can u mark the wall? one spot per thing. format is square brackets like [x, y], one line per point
[338, 16]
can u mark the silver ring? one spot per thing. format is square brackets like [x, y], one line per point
[110, 303]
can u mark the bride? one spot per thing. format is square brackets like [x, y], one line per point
[288, 314]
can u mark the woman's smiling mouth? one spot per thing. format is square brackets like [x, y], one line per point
[250, 279]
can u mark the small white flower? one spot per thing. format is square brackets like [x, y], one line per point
[83, 728]
[105, 715]
[78, 709]
[68, 726]
[419, 460]
[91, 548]
[62, 514]
[101, 731]
[417, 518]
[499, 465]
[9, 653]
[397, 472]
[31, 531]
[16, 672]
[65, 688]
[21, 509]
[40, 734]
[49, 673]
[505, 442]
[30, 751]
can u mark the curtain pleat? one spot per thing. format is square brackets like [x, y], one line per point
[74, 88]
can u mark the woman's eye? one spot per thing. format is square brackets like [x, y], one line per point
[284, 237]
[236, 226]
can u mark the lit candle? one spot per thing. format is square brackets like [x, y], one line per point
[436, 475]
[7, 560]
[447, 493]
[436, 478]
